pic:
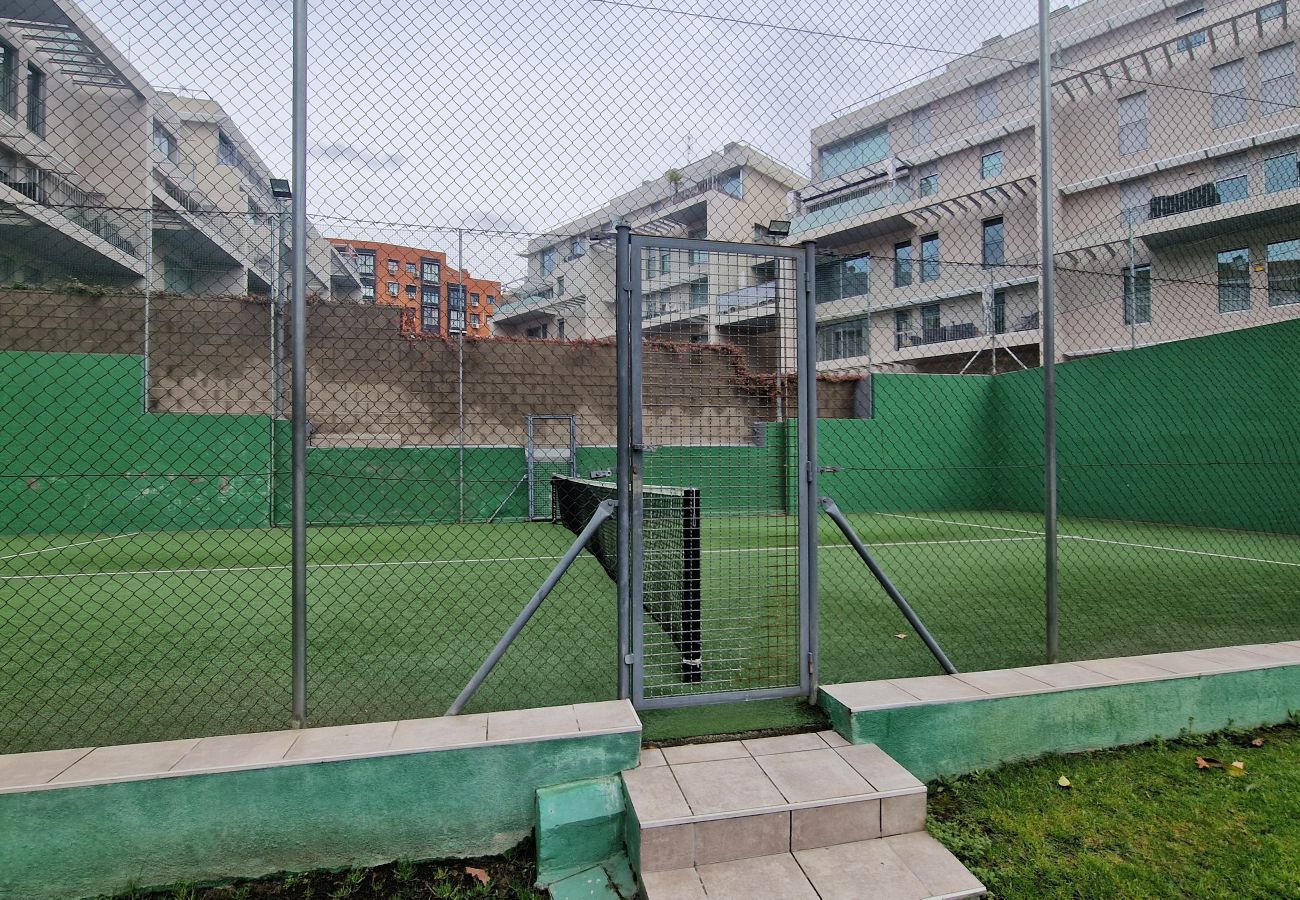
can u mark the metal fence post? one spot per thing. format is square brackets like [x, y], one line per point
[299, 400]
[623, 463]
[1046, 216]
[806, 344]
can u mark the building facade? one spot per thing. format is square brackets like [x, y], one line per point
[436, 299]
[107, 181]
[1175, 147]
[687, 296]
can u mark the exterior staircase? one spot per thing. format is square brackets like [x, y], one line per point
[801, 816]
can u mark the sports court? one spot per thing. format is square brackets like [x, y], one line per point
[168, 634]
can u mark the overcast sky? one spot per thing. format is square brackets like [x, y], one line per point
[514, 116]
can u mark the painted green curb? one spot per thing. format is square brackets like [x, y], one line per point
[579, 825]
[939, 739]
[475, 801]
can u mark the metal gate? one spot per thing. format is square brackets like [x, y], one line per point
[552, 450]
[716, 474]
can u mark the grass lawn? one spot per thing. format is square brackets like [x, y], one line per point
[1137, 822]
[163, 635]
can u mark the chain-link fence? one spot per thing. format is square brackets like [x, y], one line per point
[466, 168]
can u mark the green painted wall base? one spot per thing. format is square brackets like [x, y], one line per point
[80, 841]
[955, 738]
[579, 825]
[611, 881]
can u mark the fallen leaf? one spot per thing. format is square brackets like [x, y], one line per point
[480, 874]
[1064, 782]
[1237, 769]
[900, 636]
[1205, 762]
[1257, 742]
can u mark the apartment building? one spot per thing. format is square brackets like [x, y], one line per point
[105, 180]
[687, 296]
[1175, 166]
[435, 298]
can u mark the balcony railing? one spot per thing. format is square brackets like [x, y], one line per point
[959, 331]
[79, 206]
[746, 297]
[892, 194]
[1202, 196]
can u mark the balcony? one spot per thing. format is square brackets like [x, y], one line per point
[852, 206]
[1206, 211]
[748, 304]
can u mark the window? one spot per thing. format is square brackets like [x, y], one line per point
[1135, 201]
[1132, 123]
[1228, 86]
[994, 250]
[227, 153]
[855, 152]
[931, 330]
[840, 279]
[474, 300]
[929, 179]
[1137, 295]
[1280, 173]
[559, 286]
[930, 257]
[1284, 273]
[491, 301]
[430, 270]
[539, 332]
[650, 266]
[699, 293]
[548, 260]
[577, 247]
[991, 161]
[392, 267]
[1271, 12]
[475, 321]
[903, 264]
[367, 289]
[923, 125]
[1231, 184]
[178, 277]
[35, 101]
[999, 312]
[1234, 280]
[843, 340]
[1187, 12]
[410, 268]
[731, 183]
[455, 308]
[164, 143]
[429, 317]
[1277, 79]
[986, 101]
[665, 261]
[392, 288]
[902, 328]
[8, 92]
[410, 291]
[366, 262]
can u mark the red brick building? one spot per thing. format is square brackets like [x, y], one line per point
[435, 298]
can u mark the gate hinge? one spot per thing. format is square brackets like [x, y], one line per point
[629, 660]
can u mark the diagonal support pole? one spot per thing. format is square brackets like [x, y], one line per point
[603, 512]
[828, 505]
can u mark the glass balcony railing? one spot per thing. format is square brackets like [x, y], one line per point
[850, 207]
[82, 208]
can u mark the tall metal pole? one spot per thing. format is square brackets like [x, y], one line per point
[460, 370]
[1047, 287]
[148, 301]
[623, 470]
[805, 323]
[299, 398]
[1131, 285]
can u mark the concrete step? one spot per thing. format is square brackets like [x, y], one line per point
[912, 866]
[704, 804]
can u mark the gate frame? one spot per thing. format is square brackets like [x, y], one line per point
[629, 341]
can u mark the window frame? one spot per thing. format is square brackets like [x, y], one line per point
[430, 302]
[1293, 171]
[987, 101]
[846, 155]
[993, 260]
[903, 265]
[1294, 277]
[36, 97]
[8, 79]
[1284, 81]
[1134, 129]
[991, 152]
[930, 263]
[1137, 294]
[1228, 104]
[1229, 293]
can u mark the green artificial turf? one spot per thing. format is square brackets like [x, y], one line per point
[1137, 822]
[177, 634]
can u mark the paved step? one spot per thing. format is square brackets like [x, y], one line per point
[711, 803]
[912, 866]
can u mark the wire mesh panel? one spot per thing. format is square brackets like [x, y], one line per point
[552, 450]
[719, 604]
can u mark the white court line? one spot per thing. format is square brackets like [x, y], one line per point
[223, 570]
[115, 537]
[1079, 537]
